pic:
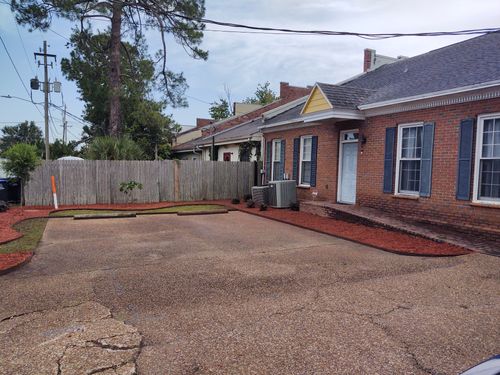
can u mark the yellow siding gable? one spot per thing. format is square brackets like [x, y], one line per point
[316, 102]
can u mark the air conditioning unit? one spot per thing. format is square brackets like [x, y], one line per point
[260, 194]
[282, 193]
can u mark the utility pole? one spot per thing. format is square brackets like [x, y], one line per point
[65, 126]
[46, 88]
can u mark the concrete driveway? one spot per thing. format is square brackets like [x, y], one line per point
[235, 293]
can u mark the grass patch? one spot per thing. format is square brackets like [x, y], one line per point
[166, 210]
[32, 230]
[83, 212]
[191, 208]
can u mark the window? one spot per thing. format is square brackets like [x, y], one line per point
[410, 137]
[227, 156]
[305, 160]
[276, 158]
[487, 171]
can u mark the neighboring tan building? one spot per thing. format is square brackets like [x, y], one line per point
[238, 137]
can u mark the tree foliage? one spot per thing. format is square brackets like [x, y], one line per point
[112, 148]
[220, 109]
[129, 20]
[263, 95]
[20, 160]
[25, 132]
[58, 149]
[142, 116]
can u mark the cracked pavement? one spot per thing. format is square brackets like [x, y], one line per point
[235, 293]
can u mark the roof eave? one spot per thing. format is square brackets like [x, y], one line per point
[336, 113]
[430, 95]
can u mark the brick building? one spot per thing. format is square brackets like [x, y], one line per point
[418, 137]
[230, 134]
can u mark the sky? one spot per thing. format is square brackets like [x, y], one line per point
[239, 61]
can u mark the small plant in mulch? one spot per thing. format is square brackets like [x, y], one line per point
[250, 204]
[128, 188]
[235, 201]
[295, 206]
[247, 197]
[263, 207]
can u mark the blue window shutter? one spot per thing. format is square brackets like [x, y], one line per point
[282, 160]
[390, 136]
[426, 160]
[314, 159]
[269, 149]
[465, 159]
[296, 155]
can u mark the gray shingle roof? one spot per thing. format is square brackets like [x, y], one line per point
[470, 62]
[344, 96]
[187, 146]
[290, 114]
[237, 133]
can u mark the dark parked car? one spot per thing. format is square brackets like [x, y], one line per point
[10, 190]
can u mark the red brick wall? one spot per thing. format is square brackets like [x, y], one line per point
[442, 205]
[326, 176]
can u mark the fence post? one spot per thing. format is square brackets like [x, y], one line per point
[176, 181]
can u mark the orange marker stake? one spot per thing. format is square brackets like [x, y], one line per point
[54, 192]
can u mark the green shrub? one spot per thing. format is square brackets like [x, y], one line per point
[21, 160]
[128, 188]
[112, 148]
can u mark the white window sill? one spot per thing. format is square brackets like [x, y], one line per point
[487, 204]
[304, 186]
[414, 197]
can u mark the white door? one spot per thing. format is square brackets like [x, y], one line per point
[348, 166]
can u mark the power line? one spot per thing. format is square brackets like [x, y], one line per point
[280, 31]
[24, 47]
[374, 36]
[19, 75]
[200, 100]
[14, 66]
[62, 36]
[54, 127]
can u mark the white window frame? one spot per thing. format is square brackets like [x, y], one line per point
[273, 157]
[301, 159]
[398, 159]
[477, 157]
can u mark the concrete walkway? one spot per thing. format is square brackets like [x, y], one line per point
[486, 243]
[236, 293]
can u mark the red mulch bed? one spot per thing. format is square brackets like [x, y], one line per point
[384, 239]
[11, 261]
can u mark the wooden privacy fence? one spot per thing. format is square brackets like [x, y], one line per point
[98, 181]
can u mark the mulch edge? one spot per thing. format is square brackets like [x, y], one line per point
[206, 212]
[15, 266]
[394, 251]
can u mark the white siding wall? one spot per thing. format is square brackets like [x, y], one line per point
[234, 149]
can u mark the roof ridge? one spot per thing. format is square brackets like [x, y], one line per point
[448, 46]
[345, 87]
